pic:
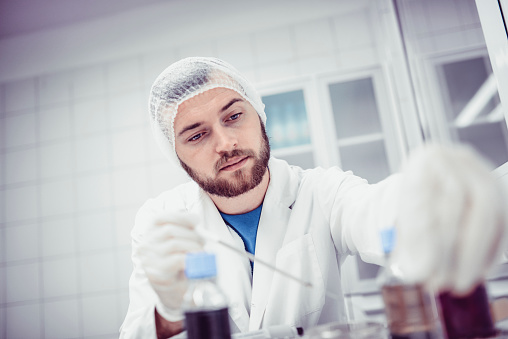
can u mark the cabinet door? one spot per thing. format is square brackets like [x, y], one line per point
[365, 136]
[360, 137]
[287, 127]
[472, 106]
[367, 141]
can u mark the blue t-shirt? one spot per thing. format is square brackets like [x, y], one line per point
[246, 225]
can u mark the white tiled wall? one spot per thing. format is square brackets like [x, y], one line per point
[74, 164]
[77, 161]
[21, 242]
[443, 26]
[22, 282]
[16, 324]
[58, 237]
[19, 129]
[62, 319]
[56, 284]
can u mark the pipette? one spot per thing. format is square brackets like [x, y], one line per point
[206, 234]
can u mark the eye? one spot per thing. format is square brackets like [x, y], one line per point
[195, 137]
[235, 116]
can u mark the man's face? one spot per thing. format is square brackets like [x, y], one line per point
[221, 142]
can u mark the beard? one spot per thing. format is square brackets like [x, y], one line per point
[243, 180]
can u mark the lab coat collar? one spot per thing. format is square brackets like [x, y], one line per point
[276, 211]
[283, 182]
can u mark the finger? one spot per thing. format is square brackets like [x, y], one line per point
[168, 232]
[176, 246]
[456, 206]
[482, 233]
[452, 205]
[467, 238]
[152, 253]
[165, 271]
[182, 218]
[477, 227]
[172, 295]
[425, 215]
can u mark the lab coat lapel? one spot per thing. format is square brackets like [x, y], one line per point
[234, 271]
[271, 231]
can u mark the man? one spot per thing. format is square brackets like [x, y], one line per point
[208, 118]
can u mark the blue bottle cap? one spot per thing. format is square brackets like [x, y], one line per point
[200, 265]
[388, 239]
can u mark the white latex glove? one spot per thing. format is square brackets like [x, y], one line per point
[452, 218]
[168, 239]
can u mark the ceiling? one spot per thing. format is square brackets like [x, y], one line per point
[21, 17]
[44, 36]
[18, 17]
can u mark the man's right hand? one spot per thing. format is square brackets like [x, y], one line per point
[452, 218]
[169, 237]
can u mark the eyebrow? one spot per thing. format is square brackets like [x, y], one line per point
[230, 103]
[197, 124]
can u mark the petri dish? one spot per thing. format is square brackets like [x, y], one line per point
[351, 330]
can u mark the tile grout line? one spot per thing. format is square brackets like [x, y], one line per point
[39, 207]
[110, 170]
[77, 257]
[112, 225]
[3, 276]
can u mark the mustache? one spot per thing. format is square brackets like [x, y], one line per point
[234, 153]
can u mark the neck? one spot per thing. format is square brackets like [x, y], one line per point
[244, 202]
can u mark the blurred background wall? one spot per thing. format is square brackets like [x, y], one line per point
[77, 156]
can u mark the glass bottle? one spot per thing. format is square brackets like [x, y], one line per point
[410, 310]
[467, 316]
[205, 305]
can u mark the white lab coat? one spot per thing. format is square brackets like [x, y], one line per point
[310, 221]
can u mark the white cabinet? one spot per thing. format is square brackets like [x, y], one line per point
[335, 120]
[364, 137]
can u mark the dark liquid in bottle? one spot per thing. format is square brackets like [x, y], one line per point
[409, 312]
[208, 324]
[415, 335]
[469, 316]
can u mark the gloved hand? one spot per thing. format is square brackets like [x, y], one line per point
[452, 218]
[169, 237]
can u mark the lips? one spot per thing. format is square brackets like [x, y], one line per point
[232, 163]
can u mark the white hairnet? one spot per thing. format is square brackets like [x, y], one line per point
[185, 79]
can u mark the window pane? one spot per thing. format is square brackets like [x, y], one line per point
[473, 107]
[366, 270]
[486, 139]
[355, 108]
[286, 123]
[304, 160]
[463, 79]
[368, 160]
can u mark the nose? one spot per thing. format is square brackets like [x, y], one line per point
[225, 140]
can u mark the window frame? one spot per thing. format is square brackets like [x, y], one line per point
[391, 124]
